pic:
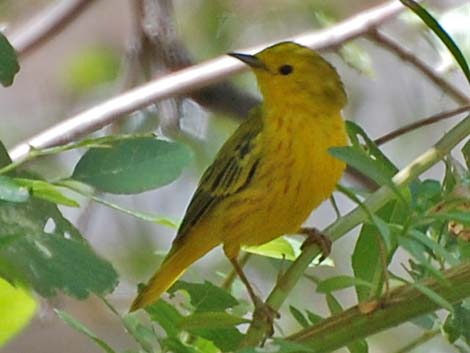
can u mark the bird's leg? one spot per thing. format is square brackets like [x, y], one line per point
[317, 237]
[262, 309]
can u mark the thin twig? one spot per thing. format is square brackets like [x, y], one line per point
[45, 25]
[368, 183]
[222, 97]
[406, 302]
[407, 55]
[194, 78]
[420, 123]
[161, 34]
[131, 65]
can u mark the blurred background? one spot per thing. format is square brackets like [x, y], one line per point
[88, 62]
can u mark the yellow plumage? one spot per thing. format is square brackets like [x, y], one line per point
[272, 172]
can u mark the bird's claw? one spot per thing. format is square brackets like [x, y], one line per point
[266, 314]
[317, 237]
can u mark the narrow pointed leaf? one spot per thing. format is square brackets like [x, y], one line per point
[433, 25]
[9, 65]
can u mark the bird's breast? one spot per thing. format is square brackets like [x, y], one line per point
[297, 172]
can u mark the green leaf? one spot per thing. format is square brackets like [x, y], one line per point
[279, 248]
[144, 335]
[333, 304]
[211, 320]
[284, 248]
[436, 248]
[52, 260]
[227, 339]
[132, 165]
[78, 326]
[457, 323]
[367, 158]
[12, 191]
[433, 25]
[7, 239]
[361, 162]
[368, 146]
[425, 194]
[368, 248]
[299, 316]
[464, 250]
[17, 307]
[466, 153]
[205, 297]
[359, 346]
[4, 157]
[456, 175]
[46, 191]
[366, 261]
[418, 251]
[340, 282]
[9, 65]
[313, 318]
[384, 231]
[50, 263]
[435, 297]
[31, 218]
[166, 316]
[201, 345]
[456, 216]
[173, 344]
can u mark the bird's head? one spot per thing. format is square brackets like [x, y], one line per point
[291, 71]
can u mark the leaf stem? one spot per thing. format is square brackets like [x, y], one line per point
[71, 185]
[46, 24]
[420, 123]
[408, 55]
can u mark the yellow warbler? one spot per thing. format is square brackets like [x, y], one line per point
[272, 172]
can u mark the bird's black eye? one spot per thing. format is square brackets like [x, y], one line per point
[286, 69]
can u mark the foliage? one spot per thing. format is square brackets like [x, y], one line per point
[426, 219]
[132, 166]
[9, 66]
[18, 307]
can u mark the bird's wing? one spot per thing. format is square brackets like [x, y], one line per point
[231, 171]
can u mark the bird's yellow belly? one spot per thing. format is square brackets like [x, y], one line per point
[290, 183]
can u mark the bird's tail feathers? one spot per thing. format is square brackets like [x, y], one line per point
[172, 268]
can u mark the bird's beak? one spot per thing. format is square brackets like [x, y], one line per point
[250, 60]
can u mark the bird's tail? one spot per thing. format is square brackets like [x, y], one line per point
[175, 264]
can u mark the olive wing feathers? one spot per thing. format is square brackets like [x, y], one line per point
[232, 170]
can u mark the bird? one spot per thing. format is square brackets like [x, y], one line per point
[271, 173]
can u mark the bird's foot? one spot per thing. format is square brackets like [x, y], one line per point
[266, 314]
[317, 237]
